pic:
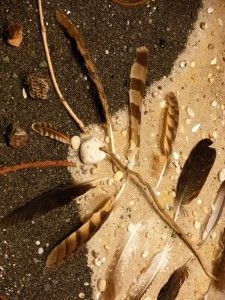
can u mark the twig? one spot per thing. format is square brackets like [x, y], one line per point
[127, 4]
[47, 54]
[153, 201]
[37, 164]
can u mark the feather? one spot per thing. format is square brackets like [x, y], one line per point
[78, 238]
[121, 259]
[159, 262]
[171, 289]
[136, 94]
[170, 124]
[93, 72]
[219, 269]
[216, 212]
[42, 204]
[46, 129]
[194, 173]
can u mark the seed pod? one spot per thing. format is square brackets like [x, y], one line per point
[38, 86]
[14, 34]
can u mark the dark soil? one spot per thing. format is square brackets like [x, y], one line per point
[163, 26]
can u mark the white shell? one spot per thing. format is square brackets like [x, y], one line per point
[75, 142]
[90, 152]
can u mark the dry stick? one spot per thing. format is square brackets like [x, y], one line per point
[130, 4]
[160, 211]
[47, 54]
[37, 164]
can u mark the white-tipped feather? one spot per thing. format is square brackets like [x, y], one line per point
[216, 212]
[146, 277]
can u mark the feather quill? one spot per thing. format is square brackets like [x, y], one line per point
[121, 259]
[169, 132]
[78, 238]
[159, 262]
[46, 129]
[216, 213]
[136, 94]
[194, 173]
[42, 204]
[172, 287]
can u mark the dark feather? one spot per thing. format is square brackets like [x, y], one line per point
[171, 289]
[41, 205]
[195, 171]
[219, 269]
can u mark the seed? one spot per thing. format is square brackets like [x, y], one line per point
[101, 285]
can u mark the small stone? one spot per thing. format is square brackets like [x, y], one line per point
[203, 25]
[16, 137]
[14, 34]
[192, 64]
[215, 135]
[190, 112]
[75, 142]
[90, 152]
[101, 285]
[176, 155]
[14, 75]
[144, 254]
[162, 104]
[213, 61]
[197, 225]
[155, 94]
[24, 93]
[211, 46]
[214, 103]
[211, 80]
[107, 140]
[107, 52]
[38, 86]
[97, 261]
[5, 59]
[37, 243]
[40, 250]
[221, 175]
[196, 128]
[210, 10]
[183, 64]
[43, 64]
[118, 176]
[81, 295]
[199, 201]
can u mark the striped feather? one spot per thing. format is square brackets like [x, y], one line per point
[78, 238]
[46, 129]
[136, 94]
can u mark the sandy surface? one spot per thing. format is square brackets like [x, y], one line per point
[197, 80]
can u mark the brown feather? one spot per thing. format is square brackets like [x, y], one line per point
[78, 238]
[171, 289]
[41, 205]
[195, 172]
[46, 129]
[219, 269]
[170, 125]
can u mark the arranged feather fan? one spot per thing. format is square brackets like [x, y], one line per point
[42, 204]
[194, 173]
[171, 289]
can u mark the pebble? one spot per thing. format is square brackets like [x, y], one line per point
[144, 254]
[221, 175]
[75, 142]
[107, 140]
[196, 128]
[43, 64]
[197, 225]
[190, 112]
[192, 64]
[118, 176]
[203, 25]
[183, 64]
[101, 285]
[40, 250]
[211, 46]
[213, 235]
[17, 137]
[90, 152]
[82, 295]
[176, 155]
[37, 242]
[14, 34]
[24, 93]
[215, 135]
[199, 201]
[214, 103]
[210, 10]
[155, 94]
[213, 61]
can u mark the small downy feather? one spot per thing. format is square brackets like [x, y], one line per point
[121, 260]
[194, 173]
[46, 129]
[170, 124]
[159, 262]
[216, 213]
[172, 287]
[41, 205]
[78, 238]
[219, 269]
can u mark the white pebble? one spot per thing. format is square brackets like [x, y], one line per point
[210, 10]
[107, 52]
[81, 295]
[101, 285]
[24, 93]
[162, 104]
[75, 142]
[37, 242]
[90, 152]
[213, 61]
[197, 225]
[176, 155]
[192, 64]
[214, 103]
[155, 94]
[196, 127]
[190, 112]
[183, 63]
[144, 254]
[40, 250]
[199, 201]
[221, 175]
[118, 176]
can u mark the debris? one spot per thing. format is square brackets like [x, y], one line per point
[176, 155]
[38, 86]
[196, 128]
[118, 176]
[210, 10]
[14, 34]
[213, 61]
[101, 285]
[16, 136]
[221, 175]
[75, 142]
[214, 103]
[40, 250]
[203, 25]
[90, 152]
[197, 225]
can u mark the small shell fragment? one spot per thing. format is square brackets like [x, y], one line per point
[196, 128]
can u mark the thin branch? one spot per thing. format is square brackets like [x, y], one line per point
[50, 66]
[37, 164]
[127, 4]
[154, 202]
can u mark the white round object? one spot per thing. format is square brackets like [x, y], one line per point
[90, 152]
[75, 142]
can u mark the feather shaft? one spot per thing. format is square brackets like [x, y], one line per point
[46, 129]
[78, 238]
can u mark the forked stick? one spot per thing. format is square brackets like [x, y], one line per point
[48, 57]
[154, 202]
